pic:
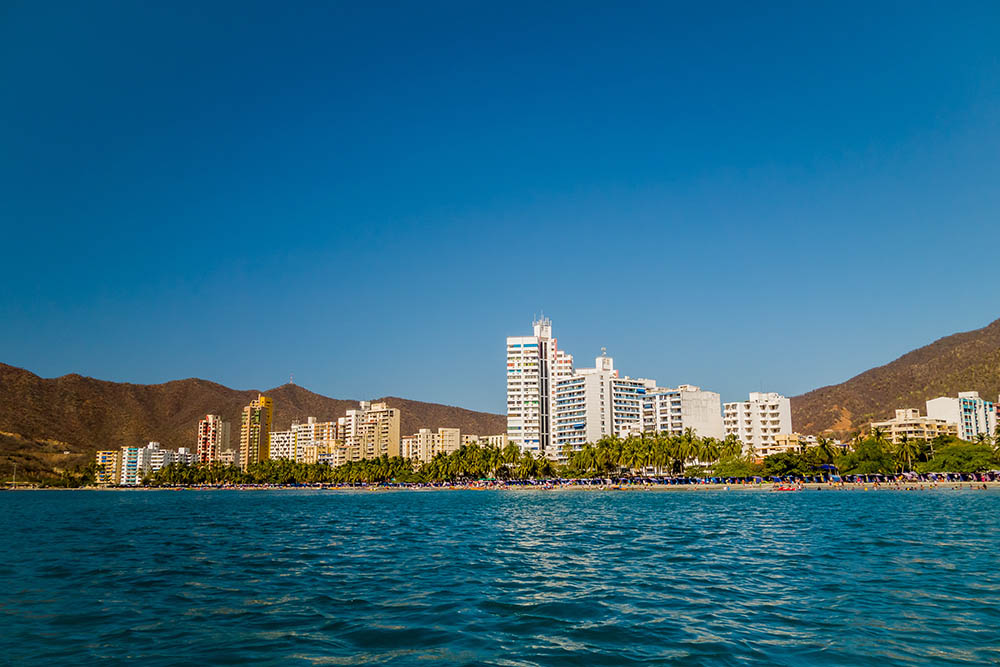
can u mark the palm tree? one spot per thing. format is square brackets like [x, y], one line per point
[906, 451]
[826, 449]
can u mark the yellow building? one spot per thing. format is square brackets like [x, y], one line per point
[908, 422]
[255, 431]
[108, 467]
[370, 432]
[425, 444]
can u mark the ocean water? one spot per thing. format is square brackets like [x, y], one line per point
[503, 578]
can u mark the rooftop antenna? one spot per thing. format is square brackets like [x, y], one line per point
[604, 351]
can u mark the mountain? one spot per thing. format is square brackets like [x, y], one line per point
[967, 361]
[81, 415]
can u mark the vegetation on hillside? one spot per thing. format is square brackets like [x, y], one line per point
[968, 361]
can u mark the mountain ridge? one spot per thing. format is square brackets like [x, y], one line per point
[88, 414]
[963, 361]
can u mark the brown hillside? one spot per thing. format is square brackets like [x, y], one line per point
[88, 414]
[967, 361]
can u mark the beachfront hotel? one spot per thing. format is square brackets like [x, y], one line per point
[675, 410]
[909, 424]
[553, 409]
[255, 431]
[757, 421]
[974, 416]
[534, 364]
[593, 403]
[213, 438]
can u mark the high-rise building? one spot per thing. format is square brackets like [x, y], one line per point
[255, 431]
[593, 403]
[675, 410]
[534, 364]
[108, 472]
[130, 466]
[370, 431]
[975, 416]
[757, 421]
[213, 438]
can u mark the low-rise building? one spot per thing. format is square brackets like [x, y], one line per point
[910, 424]
[499, 441]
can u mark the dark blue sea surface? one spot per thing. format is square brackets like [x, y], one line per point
[504, 578]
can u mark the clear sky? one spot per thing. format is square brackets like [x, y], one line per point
[730, 195]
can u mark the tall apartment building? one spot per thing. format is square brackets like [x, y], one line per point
[757, 421]
[674, 410]
[108, 471]
[130, 467]
[370, 432]
[425, 444]
[909, 423]
[213, 438]
[593, 403]
[972, 414]
[534, 364]
[255, 431]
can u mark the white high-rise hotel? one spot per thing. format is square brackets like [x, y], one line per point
[552, 407]
[534, 364]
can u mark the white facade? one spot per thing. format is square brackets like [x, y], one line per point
[759, 420]
[973, 414]
[283, 445]
[594, 403]
[153, 458]
[185, 455]
[674, 410]
[534, 364]
[131, 469]
[137, 462]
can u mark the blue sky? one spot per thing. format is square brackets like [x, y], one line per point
[734, 196]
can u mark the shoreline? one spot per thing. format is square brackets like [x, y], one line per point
[769, 487]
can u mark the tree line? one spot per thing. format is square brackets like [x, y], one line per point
[683, 454]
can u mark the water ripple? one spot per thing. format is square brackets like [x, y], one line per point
[518, 578]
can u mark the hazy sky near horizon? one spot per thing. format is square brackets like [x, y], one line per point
[372, 198]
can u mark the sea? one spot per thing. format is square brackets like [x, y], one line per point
[311, 577]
